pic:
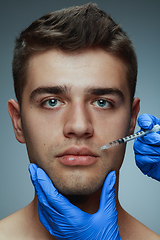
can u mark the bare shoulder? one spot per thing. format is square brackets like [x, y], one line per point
[9, 226]
[131, 229]
[25, 225]
[143, 232]
[12, 227]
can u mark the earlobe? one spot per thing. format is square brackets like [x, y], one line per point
[14, 112]
[134, 114]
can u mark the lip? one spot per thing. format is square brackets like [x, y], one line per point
[77, 156]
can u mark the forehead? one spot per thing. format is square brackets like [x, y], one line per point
[89, 68]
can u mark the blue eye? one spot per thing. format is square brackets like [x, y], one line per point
[102, 103]
[52, 103]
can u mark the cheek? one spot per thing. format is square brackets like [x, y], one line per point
[40, 132]
[117, 154]
[109, 129]
[41, 126]
[121, 126]
[112, 126]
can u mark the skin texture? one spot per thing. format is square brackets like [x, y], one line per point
[76, 121]
[64, 121]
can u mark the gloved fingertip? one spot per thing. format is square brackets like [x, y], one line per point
[112, 176]
[110, 180]
[145, 121]
[33, 171]
[32, 167]
[41, 175]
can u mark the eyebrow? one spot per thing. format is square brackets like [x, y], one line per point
[52, 90]
[64, 90]
[105, 91]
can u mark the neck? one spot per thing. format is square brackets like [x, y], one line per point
[87, 203]
[90, 203]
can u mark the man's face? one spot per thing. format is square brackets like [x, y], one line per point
[72, 105]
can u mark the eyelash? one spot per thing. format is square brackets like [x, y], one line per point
[104, 100]
[45, 102]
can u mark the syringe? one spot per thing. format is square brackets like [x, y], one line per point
[131, 137]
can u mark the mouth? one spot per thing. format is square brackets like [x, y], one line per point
[77, 156]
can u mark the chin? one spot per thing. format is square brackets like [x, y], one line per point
[77, 191]
[79, 187]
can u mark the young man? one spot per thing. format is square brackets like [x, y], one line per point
[74, 75]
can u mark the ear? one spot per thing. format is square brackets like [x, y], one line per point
[134, 114]
[14, 112]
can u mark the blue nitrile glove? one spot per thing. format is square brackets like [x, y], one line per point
[147, 148]
[66, 221]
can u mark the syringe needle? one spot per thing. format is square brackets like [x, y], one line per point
[131, 137]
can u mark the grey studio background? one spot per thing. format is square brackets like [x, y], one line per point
[139, 195]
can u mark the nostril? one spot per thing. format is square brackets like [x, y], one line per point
[78, 124]
[70, 133]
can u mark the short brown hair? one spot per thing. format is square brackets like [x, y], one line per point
[72, 29]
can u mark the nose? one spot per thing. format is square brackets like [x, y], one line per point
[78, 122]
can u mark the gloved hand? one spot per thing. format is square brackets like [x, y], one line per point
[147, 148]
[66, 221]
